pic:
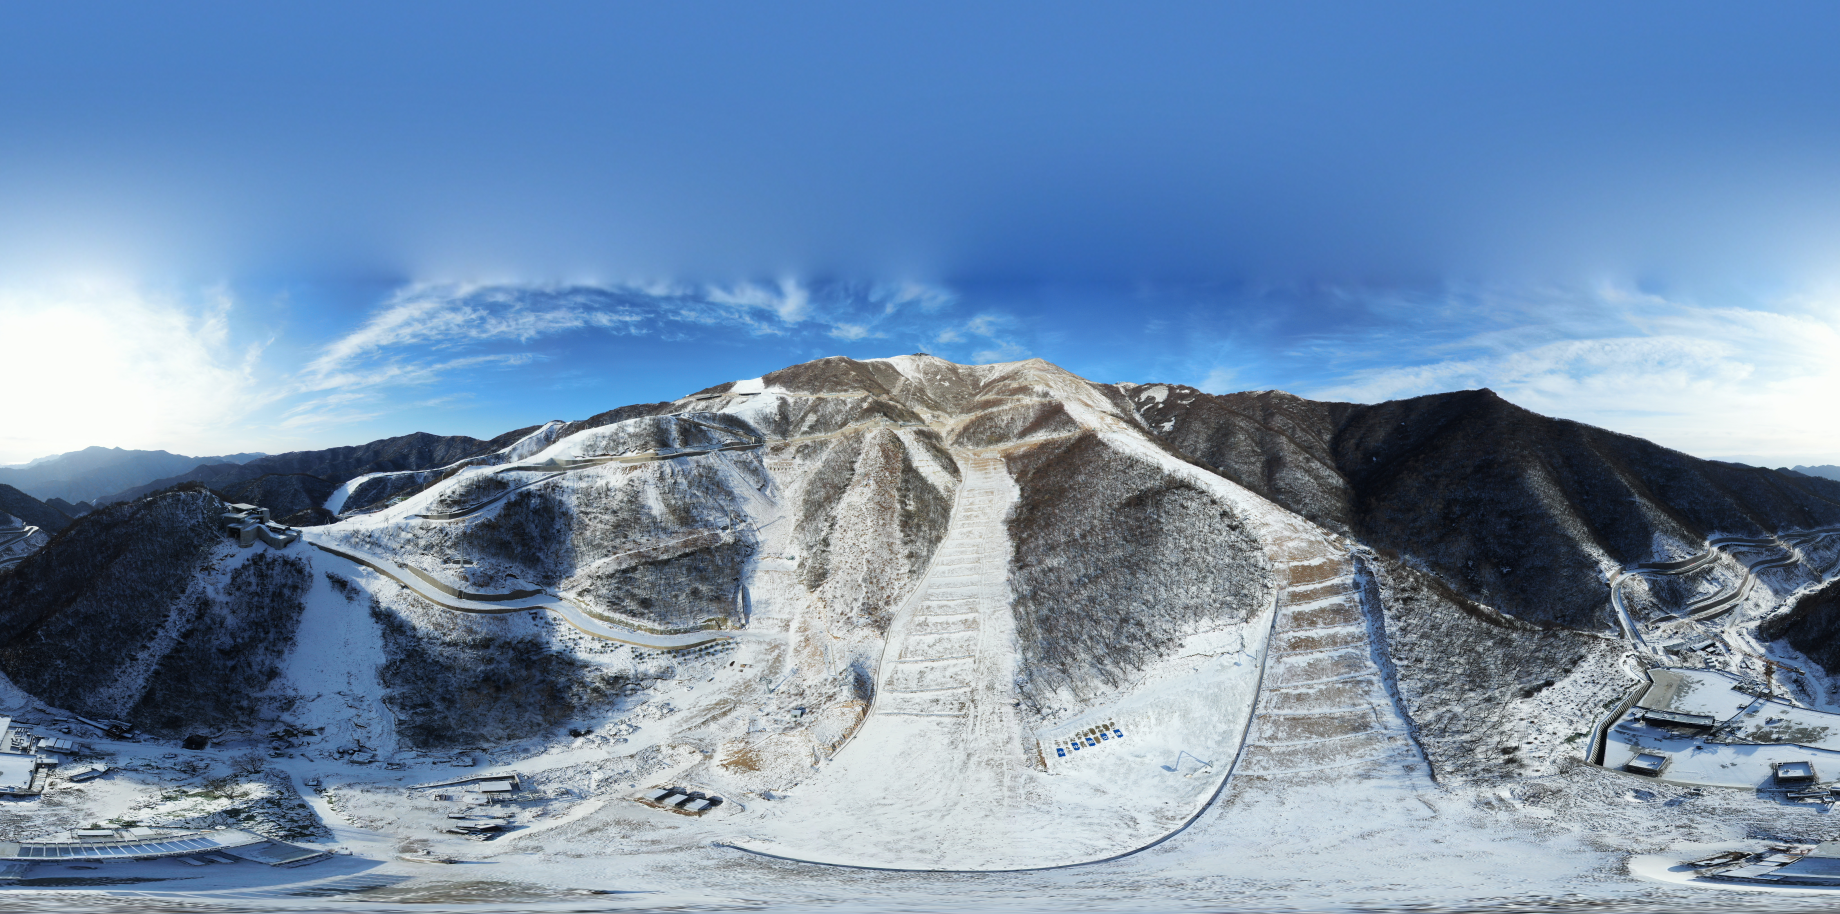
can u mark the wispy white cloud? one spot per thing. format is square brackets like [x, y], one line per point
[788, 299]
[430, 314]
[1002, 352]
[353, 396]
[983, 324]
[412, 338]
[1219, 380]
[423, 315]
[897, 296]
[992, 332]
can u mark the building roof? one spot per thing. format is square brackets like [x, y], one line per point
[1787, 770]
[1811, 869]
[1678, 718]
[16, 771]
[125, 844]
[1647, 761]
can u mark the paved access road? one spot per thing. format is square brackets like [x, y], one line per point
[17, 535]
[428, 588]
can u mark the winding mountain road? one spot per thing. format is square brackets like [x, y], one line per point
[1716, 604]
[559, 468]
[9, 537]
[452, 598]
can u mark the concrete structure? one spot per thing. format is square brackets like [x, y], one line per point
[680, 800]
[1648, 764]
[89, 774]
[103, 845]
[1678, 719]
[249, 523]
[1782, 865]
[1795, 772]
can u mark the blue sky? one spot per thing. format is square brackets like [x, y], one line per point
[273, 226]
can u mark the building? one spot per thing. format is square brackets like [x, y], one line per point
[1795, 772]
[98, 845]
[22, 770]
[1679, 719]
[249, 523]
[1782, 865]
[1649, 764]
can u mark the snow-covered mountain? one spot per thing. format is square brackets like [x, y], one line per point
[330, 466]
[914, 614]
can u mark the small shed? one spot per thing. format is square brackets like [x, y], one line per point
[1648, 764]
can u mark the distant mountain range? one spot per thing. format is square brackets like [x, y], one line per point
[85, 475]
[1826, 471]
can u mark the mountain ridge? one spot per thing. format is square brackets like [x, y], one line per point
[95, 471]
[1093, 608]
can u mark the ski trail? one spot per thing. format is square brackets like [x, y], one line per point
[938, 758]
